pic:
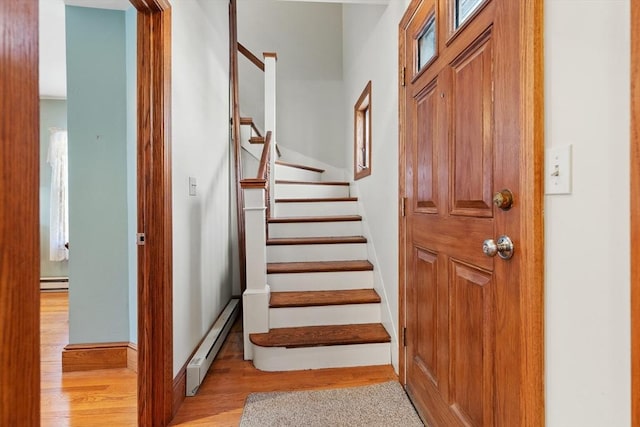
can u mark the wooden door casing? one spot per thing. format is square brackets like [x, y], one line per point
[450, 151]
[19, 215]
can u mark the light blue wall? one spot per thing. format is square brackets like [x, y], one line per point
[53, 113]
[132, 171]
[98, 198]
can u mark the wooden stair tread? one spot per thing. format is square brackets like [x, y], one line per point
[257, 139]
[246, 120]
[338, 218]
[315, 336]
[316, 240]
[338, 183]
[321, 298]
[298, 166]
[318, 266]
[318, 200]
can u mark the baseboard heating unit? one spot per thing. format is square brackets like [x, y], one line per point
[54, 283]
[199, 365]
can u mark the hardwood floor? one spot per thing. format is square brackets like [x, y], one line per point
[90, 398]
[108, 397]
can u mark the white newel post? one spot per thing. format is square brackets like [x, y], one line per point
[255, 299]
[270, 59]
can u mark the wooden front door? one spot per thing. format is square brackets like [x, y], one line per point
[470, 128]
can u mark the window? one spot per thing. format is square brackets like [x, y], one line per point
[362, 132]
[427, 44]
[464, 9]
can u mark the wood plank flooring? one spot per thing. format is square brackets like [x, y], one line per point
[108, 397]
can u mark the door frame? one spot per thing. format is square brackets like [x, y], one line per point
[19, 250]
[531, 242]
[19, 215]
[155, 257]
[635, 212]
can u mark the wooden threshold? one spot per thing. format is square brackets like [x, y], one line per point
[317, 266]
[315, 240]
[318, 200]
[321, 298]
[340, 183]
[298, 166]
[315, 336]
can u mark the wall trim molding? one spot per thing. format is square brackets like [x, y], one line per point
[92, 356]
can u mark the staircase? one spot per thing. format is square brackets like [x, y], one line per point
[323, 311]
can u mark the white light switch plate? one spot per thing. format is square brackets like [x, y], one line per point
[192, 186]
[558, 170]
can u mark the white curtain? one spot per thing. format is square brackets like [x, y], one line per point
[59, 202]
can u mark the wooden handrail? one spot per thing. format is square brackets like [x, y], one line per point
[264, 159]
[250, 56]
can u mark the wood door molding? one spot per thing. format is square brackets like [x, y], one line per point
[155, 258]
[19, 215]
[635, 213]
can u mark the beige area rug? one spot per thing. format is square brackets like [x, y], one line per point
[382, 405]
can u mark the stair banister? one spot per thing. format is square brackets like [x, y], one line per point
[255, 299]
[270, 59]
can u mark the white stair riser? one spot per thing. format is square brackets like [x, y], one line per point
[334, 280]
[324, 315]
[303, 191]
[289, 173]
[298, 209]
[275, 359]
[316, 229]
[308, 253]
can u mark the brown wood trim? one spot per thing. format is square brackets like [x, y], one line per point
[250, 56]
[257, 140]
[318, 266]
[532, 404]
[313, 336]
[323, 298]
[340, 218]
[248, 121]
[270, 55]
[635, 213]
[402, 319]
[155, 258]
[253, 183]
[179, 388]
[315, 240]
[237, 146]
[358, 111]
[319, 200]
[264, 159]
[89, 357]
[132, 357]
[293, 165]
[339, 183]
[19, 218]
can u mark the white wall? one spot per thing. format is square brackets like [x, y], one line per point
[370, 52]
[308, 40]
[587, 232]
[202, 274]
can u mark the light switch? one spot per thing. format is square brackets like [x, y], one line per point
[192, 186]
[557, 170]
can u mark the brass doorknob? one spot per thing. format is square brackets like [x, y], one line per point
[503, 247]
[503, 199]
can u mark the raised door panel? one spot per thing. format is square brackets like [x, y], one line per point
[471, 344]
[425, 150]
[424, 308]
[472, 130]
